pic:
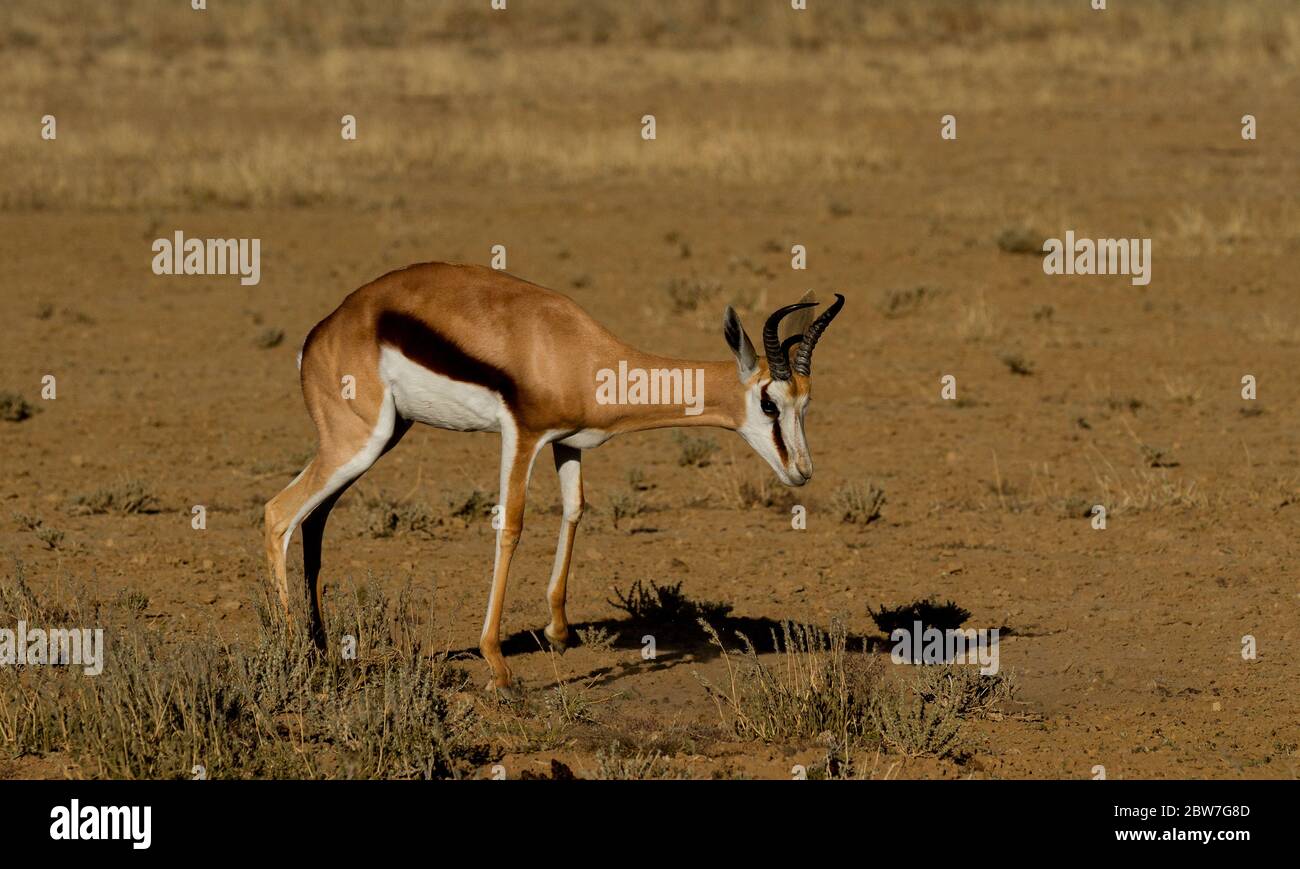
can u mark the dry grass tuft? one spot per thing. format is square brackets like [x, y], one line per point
[626, 505]
[1182, 390]
[52, 538]
[695, 452]
[1021, 239]
[904, 302]
[386, 516]
[266, 706]
[15, 408]
[598, 639]
[687, 295]
[123, 498]
[817, 687]
[1017, 363]
[977, 321]
[1140, 490]
[617, 763]
[743, 491]
[970, 693]
[858, 504]
[915, 725]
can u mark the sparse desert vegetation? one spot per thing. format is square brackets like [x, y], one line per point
[775, 129]
[122, 498]
[859, 504]
[14, 408]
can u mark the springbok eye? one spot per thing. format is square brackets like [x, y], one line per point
[768, 407]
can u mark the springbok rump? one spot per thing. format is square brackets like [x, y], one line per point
[468, 348]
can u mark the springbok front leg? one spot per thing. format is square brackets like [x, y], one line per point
[518, 450]
[568, 464]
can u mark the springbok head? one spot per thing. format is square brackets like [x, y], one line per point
[778, 388]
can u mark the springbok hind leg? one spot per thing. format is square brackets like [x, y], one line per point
[517, 455]
[347, 450]
[313, 538]
[568, 464]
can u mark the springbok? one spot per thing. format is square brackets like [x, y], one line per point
[469, 348]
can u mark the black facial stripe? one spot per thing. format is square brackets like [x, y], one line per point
[776, 431]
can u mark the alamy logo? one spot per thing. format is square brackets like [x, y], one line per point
[209, 256]
[922, 645]
[1105, 256]
[70, 646]
[653, 386]
[76, 821]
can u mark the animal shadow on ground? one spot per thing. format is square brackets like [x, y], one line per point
[664, 617]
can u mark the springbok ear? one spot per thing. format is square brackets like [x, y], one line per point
[741, 347]
[798, 322]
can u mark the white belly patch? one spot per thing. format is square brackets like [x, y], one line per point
[428, 397]
[586, 439]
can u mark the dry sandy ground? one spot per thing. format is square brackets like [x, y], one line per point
[1127, 641]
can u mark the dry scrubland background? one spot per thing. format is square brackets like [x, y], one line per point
[775, 127]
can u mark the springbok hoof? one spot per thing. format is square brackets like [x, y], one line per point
[559, 644]
[508, 693]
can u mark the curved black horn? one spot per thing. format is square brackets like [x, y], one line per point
[788, 343]
[803, 357]
[777, 362]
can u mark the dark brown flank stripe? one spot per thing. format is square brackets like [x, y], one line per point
[415, 340]
[776, 433]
